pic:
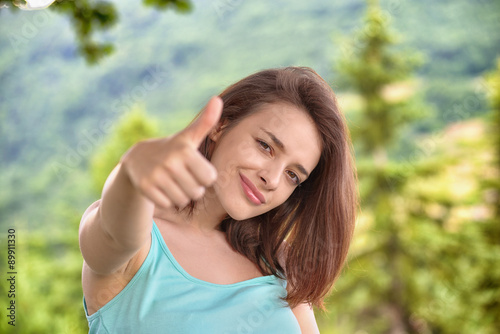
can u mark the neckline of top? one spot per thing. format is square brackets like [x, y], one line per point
[180, 269]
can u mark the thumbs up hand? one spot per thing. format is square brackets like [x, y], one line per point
[171, 171]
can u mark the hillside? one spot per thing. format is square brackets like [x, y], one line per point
[55, 109]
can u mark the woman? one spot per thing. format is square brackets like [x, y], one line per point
[240, 223]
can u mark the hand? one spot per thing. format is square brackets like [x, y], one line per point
[171, 171]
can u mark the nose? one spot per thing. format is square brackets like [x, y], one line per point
[270, 177]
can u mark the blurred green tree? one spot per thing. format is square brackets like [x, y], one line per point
[380, 75]
[48, 294]
[494, 85]
[49, 262]
[88, 17]
[133, 127]
[414, 266]
[489, 282]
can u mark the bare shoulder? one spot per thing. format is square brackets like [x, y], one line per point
[91, 208]
[305, 317]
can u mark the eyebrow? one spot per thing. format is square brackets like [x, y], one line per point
[280, 144]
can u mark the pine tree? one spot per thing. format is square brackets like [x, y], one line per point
[412, 268]
[375, 70]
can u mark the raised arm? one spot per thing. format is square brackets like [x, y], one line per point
[166, 172]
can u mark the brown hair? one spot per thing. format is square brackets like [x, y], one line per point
[317, 220]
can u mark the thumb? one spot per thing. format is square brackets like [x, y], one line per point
[197, 131]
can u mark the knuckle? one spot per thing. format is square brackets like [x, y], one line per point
[156, 174]
[144, 183]
[184, 202]
[166, 203]
[212, 174]
[180, 147]
[207, 182]
[199, 192]
[186, 150]
[172, 166]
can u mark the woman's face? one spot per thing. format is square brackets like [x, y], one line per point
[262, 159]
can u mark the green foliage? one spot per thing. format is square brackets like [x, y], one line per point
[447, 285]
[183, 6]
[49, 261]
[87, 17]
[371, 66]
[49, 286]
[133, 127]
[409, 270]
[488, 283]
[494, 85]
[425, 248]
[48, 280]
[424, 253]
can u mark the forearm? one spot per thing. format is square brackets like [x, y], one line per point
[114, 229]
[124, 213]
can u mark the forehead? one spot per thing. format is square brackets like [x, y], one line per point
[292, 125]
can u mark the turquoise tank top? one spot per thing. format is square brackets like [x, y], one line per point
[163, 298]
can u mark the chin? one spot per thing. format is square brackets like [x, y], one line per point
[240, 216]
[239, 209]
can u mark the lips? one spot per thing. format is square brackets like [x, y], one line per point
[251, 191]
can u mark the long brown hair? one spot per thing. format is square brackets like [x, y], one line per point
[317, 220]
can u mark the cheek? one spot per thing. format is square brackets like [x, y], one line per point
[227, 161]
[227, 172]
[279, 197]
[242, 154]
[247, 149]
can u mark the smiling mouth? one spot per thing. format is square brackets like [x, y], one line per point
[254, 197]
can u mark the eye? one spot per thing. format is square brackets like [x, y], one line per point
[264, 145]
[294, 177]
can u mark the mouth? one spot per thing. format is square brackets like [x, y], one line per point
[251, 191]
